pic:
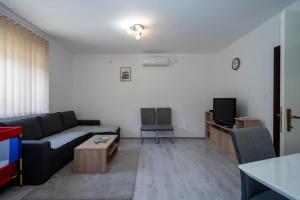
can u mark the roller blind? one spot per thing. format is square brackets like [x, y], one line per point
[24, 75]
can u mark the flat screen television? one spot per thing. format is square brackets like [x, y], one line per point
[224, 111]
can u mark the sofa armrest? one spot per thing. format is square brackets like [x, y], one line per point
[89, 122]
[35, 154]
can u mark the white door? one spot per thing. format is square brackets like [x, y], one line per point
[290, 84]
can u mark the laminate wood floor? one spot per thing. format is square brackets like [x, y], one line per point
[188, 169]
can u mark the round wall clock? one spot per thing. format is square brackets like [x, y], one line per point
[235, 63]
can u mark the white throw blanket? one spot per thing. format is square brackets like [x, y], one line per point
[60, 139]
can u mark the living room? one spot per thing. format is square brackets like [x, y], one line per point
[109, 63]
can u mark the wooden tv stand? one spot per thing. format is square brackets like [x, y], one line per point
[219, 135]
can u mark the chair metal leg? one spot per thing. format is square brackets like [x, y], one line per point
[142, 140]
[156, 137]
[172, 137]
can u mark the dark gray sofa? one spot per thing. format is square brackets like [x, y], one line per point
[49, 141]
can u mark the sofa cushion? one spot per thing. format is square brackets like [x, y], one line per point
[62, 138]
[30, 125]
[51, 124]
[94, 129]
[69, 119]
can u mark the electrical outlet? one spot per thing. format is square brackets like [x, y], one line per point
[187, 125]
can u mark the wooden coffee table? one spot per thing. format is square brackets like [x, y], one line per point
[92, 158]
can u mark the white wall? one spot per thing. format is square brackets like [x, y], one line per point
[60, 78]
[90, 84]
[294, 6]
[185, 86]
[252, 84]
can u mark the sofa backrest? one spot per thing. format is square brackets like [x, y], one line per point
[30, 125]
[50, 124]
[69, 119]
[36, 127]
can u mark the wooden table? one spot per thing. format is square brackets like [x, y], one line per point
[281, 174]
[94, 158]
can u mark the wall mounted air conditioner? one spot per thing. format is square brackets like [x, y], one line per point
[156, 61]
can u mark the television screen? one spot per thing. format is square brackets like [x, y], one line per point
[224, 111]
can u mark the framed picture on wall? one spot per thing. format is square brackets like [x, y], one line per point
[125, 73]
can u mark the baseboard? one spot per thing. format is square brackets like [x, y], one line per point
[164, 137]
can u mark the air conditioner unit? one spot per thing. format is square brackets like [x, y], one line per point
[156, 61]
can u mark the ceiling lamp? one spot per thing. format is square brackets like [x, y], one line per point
[137, 29]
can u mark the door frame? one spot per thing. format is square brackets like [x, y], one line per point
[276, 100]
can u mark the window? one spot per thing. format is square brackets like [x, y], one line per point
[24, 76]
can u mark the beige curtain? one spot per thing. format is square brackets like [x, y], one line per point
[24, 76]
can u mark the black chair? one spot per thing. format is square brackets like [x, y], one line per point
[254, 144]
[147, 121]
[164, 121]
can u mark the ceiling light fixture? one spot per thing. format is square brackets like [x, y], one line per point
[136, 29]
